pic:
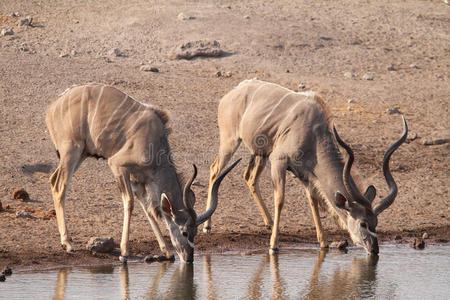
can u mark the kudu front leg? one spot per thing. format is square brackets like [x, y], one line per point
[313, 202]
[123, 180]
[278, 172]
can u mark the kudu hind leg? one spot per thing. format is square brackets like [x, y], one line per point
[219, 164]
[70, 160]
[251, 177]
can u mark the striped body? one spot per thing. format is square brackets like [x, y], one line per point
[104, 119]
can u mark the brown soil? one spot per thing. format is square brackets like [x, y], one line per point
[327, 45]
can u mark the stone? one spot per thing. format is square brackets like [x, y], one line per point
[367, 77]
[16, 14]
[21, 195]
[116, 52]
[340, 244]
[27, 21]
[349, 75]
[301, 86]
[391, 68]
[414, 66]
[189, 50]
[182, 17]
[6, 31]
[73, 52]
[64, 55]
[246, 17]
[392, 111]
[148, 68]
[102, 245]
[417, 243]
[7, 271]
[24, 214]
[425, 235]
[351, 101]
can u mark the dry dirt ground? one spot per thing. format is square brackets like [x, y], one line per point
[329, 46]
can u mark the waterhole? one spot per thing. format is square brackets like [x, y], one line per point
[302, 273]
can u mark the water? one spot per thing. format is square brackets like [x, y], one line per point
[399, 273]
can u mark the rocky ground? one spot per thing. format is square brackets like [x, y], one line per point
[371, 60]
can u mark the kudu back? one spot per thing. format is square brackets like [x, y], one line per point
[293, 131]
[101, 121]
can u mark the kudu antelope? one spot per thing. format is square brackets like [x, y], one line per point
[292, 130]
[101, 121]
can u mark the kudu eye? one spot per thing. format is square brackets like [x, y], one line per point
[185, 234]
[364, 225]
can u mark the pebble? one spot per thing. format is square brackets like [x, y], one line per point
[425, 235]
[23, 214]
[16, 14]
[301, 86]
[116, 52]
[64, 55]
[417, 243]
[367, 77]
[392, 111]
[182, 17]
[25, 21]
[391, 68]
[246, 17]
[6, 31]
[413, 66]
[341, 244]
[148, 68]
[349, 75]
[102, 245]
[351, 101]
[227, 74]
[7, 271]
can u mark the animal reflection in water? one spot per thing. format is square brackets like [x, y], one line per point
[352, 282]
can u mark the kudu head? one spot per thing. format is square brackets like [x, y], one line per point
[363, 216]
[184, 222]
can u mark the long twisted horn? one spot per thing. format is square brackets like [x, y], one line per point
[348, 182]
[386, 202]
[214, 195]
[186, 201]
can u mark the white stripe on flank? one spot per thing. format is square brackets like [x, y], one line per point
[251, 100]
[81, 111]
[112, 115]
[273, 109]
[68, 111]
[136, 121]
[96, 106]
[123, 116]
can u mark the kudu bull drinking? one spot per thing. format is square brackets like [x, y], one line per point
[101, 121]
[292, 130]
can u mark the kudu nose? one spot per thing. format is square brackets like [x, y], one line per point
[374, 250]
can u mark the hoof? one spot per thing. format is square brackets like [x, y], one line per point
[207, 229]
[67, 248]
[123, 259]
[273, 251]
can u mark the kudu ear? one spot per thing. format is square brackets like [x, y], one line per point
[341, 201]
[165, 205]
[370, 193]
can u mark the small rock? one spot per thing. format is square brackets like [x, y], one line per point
[391, 68]
[20, 194]
[2, 278]
[301, 86]
[182, 17]
[349, 108]
[24, 214]
[16, 14]
[27, 21]
[246, 17]
[417, 243]
[73, 52]
[349, 75]
[102, 245]
[436, 141]
[227, 74]
[205, 48]
[367, 77]
[351, 101]
[150, 258]
[64, 55]
[7, 271]
[413, 66]
[6, 31]
[116, 52]
[392, 111]
[398, 237]
[340, 244]
[425, 235]
[148, 68]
